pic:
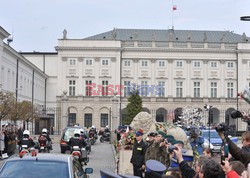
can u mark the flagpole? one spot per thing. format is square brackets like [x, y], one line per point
[172, 14]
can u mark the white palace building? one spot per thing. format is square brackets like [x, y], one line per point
[173, 69]
[19, 76]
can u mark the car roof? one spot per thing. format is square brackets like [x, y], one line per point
[42, 157]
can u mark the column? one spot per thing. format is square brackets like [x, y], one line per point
[80, 83]
[188, 80]
[222, 80]
[64, 110]
[115, 117]
[170, 78]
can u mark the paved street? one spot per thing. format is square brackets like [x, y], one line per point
[101, 157]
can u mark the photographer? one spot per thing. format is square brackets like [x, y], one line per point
[236, 152]
[158, 150]
[206, 167]
[196, 141]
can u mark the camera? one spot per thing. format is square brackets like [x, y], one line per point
[222, 127]
[171, 148]
[236, 114]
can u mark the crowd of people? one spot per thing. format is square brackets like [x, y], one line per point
[9, 134]
[166, 151]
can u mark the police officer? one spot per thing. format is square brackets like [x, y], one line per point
[77, 140]
[138, 154]
[46, 135]
[26, 140]
[154, 169]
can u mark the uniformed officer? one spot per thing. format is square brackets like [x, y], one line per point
[138, 154]
[154, 169]
[158, 150]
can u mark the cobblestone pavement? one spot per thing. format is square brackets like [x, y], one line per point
[101, 158]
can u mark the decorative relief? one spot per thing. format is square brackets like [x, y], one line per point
[205, 62]
[244, 61]
[64, 59]
[144, 73]
[222, 61]
[97, 59]
[161, 73]
[126, 73]
[230, 74]
[170, 61]
[80, 59]
[113, 59]
[135, 60]
[153, 60]
[197, 74]
[188, 61]
[105, 72]
[88, 72]
[179, 74]
[72, 71]
[213, 74]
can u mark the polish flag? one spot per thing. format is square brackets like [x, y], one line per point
[174, 7]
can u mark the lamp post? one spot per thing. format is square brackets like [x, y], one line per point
[208, 108]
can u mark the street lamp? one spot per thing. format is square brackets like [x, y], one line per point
[208, 108]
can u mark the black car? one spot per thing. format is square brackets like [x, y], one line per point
[68, 132]
[44, 165]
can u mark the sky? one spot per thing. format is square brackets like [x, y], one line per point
[36, 25]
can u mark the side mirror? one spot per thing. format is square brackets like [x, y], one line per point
[88, 170]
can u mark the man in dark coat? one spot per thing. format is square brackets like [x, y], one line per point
[236, 152]
[138, 154]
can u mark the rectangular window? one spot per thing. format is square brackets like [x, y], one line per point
[104, 88]
[197, 64]
[88, 87]
[197, 89]
[127, 88]
[144, 63]
[104, 120]
[72, 119]
[87, 120]
[127, 63]
[179, 64]
[213, 89]
[72, 62]
[72, 87]
[213, 64]
[105, 62]
[161, 63]
[179, 89]
[230, 89]
[89, 62]
[144, 88]
[230, 65]
[161, 88]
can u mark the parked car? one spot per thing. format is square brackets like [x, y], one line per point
[44, 165]
[68, 132]
[215, 139]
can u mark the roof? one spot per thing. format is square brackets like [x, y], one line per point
[42, 157]
[169, 35]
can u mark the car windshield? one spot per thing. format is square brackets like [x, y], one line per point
[69, 133]
[213, 134]
[33, 168]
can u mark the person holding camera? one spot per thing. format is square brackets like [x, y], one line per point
[206, 167]
[238, 153]
[196, 141]
[158, 150]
